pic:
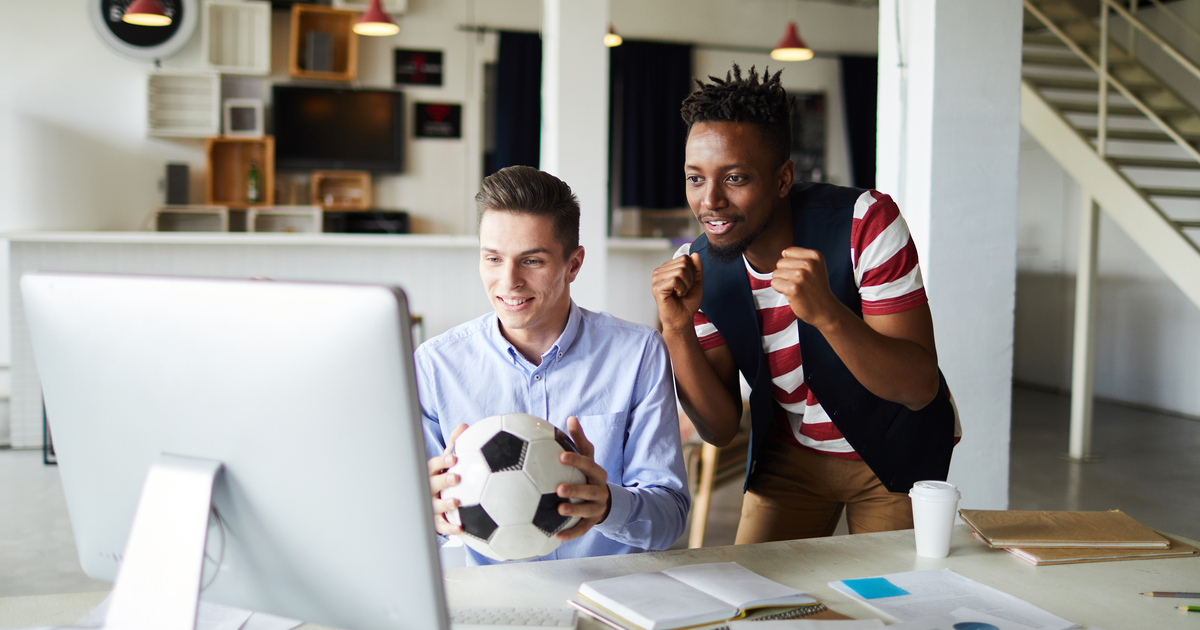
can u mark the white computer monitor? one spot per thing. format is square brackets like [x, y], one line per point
[304, 393]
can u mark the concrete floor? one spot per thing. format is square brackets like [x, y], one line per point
[1150, 468]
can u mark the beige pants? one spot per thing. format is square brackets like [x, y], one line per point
[798, 493]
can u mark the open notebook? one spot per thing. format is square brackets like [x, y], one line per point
[686, 596]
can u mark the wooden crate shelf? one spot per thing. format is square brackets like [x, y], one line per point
[183, 105]
[339, 24]
[341, 190]
[229, 167]
[236, 36]
[191, 219]
[290, 219]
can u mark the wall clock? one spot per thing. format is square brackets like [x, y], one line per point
[144, 42]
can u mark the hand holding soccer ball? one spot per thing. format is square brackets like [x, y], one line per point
[513, 487]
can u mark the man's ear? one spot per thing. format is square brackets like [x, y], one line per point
[574, 264]
[785, 176]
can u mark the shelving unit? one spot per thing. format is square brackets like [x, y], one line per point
[292, 219]
[236, 36]
[339, 24]
[191, 219]
[229, 168]
[341, 190]
[183, 105]
[391, 6]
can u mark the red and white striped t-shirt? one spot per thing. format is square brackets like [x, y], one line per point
[889, 281]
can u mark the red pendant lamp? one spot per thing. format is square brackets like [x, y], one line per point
[146, 13]
[791, 47]
[375, 22]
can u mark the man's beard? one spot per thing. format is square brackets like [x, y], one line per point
[726, 254]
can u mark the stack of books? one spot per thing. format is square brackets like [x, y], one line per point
[1068, 537]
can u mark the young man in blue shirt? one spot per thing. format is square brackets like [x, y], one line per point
[605, 382]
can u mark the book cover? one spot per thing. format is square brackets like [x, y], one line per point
[1014, 528]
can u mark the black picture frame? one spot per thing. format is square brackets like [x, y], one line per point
[438, 120]
[418, 67]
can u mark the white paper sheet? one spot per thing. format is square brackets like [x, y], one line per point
[925, 593]
[955, 620]
[807, 624]
[209, 617]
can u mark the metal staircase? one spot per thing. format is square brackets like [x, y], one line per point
[1127, 138]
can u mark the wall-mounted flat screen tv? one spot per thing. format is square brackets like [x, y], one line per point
[336, 128]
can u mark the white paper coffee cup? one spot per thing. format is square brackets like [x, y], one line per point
[934, 504]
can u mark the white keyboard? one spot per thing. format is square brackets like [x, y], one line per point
[504, 618]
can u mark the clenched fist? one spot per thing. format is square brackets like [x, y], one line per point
[678, 286]
[802, 278]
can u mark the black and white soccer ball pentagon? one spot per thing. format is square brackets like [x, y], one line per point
[509, 471]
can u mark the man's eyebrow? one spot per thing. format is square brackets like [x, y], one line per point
[726, 167]
[528, 252]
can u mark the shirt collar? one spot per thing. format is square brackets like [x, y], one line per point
[558, 348]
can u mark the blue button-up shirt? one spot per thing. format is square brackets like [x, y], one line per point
[613, 375]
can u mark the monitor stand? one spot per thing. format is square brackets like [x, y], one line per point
[158, 583]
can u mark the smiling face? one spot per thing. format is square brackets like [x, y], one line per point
[733, 183]
[525, 274]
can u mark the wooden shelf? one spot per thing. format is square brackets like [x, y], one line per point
[191, 219]
[229, 168]
[307, 18]
[290, 219]
[183, 105]
[236, 36]
[341, 190]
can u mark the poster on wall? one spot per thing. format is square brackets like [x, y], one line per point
[418, 67]
[439, 120]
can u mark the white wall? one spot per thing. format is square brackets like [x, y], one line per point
[1147, 332]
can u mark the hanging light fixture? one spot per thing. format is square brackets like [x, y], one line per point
[375, 22]
[791, 47]
[612, 39]
[146, 13]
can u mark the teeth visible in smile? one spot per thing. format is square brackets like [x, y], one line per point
[718, 223]
[515, 301]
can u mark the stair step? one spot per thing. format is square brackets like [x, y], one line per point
[1140, 135]
[1141, 162]
[1188, 193]
[1053, 60]
[1087, 85]
[1042, 39]
[1084, 107]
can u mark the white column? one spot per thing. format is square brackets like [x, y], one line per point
[1083, 361]
[575, 126]
[949, 125]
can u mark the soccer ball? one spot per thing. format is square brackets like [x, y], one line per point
[508, 472]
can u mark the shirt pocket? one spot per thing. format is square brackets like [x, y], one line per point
[606, 432]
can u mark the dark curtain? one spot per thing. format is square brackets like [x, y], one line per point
[647, 83]
[860, 85]
[518, 101]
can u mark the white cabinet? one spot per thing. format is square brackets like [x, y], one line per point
[183, 105]
[237, 36]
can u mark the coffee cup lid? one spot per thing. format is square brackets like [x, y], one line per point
[934, 490]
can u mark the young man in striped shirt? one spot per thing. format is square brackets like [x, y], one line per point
[814, 294]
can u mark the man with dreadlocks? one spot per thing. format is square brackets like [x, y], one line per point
[790, 273]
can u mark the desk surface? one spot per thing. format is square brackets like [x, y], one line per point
[1103, 594]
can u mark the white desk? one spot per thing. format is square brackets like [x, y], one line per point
[1103, 594]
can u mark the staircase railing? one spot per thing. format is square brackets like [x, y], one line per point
[1101, 67]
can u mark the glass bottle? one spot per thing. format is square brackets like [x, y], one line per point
[254, 184]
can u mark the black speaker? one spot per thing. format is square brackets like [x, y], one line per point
[177, 184]
[372, 222]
